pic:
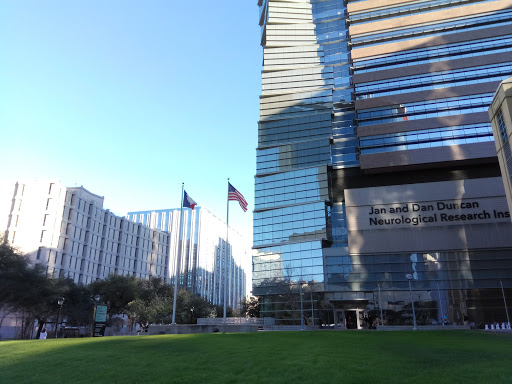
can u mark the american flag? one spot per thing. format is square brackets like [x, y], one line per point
[233, 194]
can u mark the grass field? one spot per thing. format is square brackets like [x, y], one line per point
[264, 357]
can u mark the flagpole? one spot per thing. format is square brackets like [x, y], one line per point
[226, 258]
[178, 260]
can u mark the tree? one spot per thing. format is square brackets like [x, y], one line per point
[198, 307]
[27, 290]
[23, 288]
[40, 298]
[116, 292]
[13, 266]
[153, 303]
[138, 312]
[78, 308]
[250, 307]
[220, 311]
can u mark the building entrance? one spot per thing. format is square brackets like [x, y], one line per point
[349, 314]
[351, 319]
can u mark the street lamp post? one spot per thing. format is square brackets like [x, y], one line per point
[191, 315]
[380, 307]
[301, 306]
[96, 298]
[440, 304]
[505, 302]
[312, 308]
[410, 277]
[60, 301]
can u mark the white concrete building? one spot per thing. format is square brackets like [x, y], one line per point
[68, 231]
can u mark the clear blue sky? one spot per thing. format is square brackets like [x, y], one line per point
[132, 98]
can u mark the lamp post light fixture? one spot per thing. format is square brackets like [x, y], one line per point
[192, 315]
[301, 305]
[96, 299]
[440, 304]
[60, 301]
[410, 277]
[505, 302]
[380, 307]
[312, 306]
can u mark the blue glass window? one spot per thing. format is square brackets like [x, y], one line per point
[427, 138]
[475, 75]
[292, 224]
[502, 128]
[288, 263]
[288, 188]
[425, 109]
[434, 54]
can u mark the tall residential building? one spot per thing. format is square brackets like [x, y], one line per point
[203, 253]
[68, 231]
[376, 160]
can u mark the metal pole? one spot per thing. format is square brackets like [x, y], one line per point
[226, 280]
[505, 302]
[440, 304]
[178, 261]
[57, 322]
[380, 306]
[301, 310]
[312, 309]
[412, 303]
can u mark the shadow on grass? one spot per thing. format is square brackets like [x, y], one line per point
[273, 357]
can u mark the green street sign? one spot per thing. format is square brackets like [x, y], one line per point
[101, 313]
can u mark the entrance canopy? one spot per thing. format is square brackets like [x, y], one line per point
[349, 303]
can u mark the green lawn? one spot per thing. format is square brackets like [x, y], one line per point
[264, 357]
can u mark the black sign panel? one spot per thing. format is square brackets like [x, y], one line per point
[99, 329]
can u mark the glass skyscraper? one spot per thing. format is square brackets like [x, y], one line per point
[201, 244]
[376, 159]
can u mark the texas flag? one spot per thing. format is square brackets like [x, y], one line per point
[188, 202]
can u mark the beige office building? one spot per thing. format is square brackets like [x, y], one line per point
[500, 113]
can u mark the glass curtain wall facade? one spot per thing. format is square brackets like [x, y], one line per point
[306, 128]
[367, 106]
[202, 245]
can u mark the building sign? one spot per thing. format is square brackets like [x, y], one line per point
[458, 214]
[432, 213]
[100, 320]
[100, 314]
[99, 329]
[413, 207]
